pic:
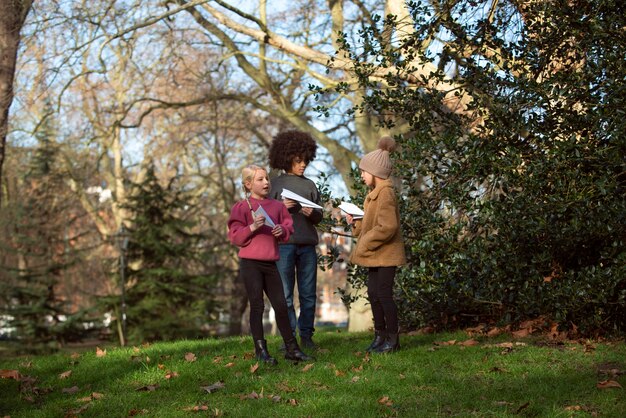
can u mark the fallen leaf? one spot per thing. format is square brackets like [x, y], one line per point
[10, 374]
[525, 332]
[148, 388]
[134, 412]
[339, 373]
[96, 395]
[252, 395]
[494, 332]
[217, 359]
[385, 401]
[293, 402]
[196, 408]
[275, 398]
[161, 366]
[231, 364]
[307, 367]
[606, 384]
[71, 390]
[170, 375]
[136, 349]
[214, 387]
[468, 343]
[254, 367]
[355, 379]
[74, 355]
[65, 375]
[100, 352]
[190, 357]
[401, 376]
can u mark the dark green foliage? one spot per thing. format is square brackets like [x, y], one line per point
[38, 251]
[514, 207]
[169, 292]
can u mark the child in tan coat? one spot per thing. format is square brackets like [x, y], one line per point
[380, 246]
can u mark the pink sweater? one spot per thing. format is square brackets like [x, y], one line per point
[260, 244]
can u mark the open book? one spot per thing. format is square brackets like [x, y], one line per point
[352, 209]
[260, 211]
[305, 203]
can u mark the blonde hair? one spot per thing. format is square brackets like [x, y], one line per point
[247, 174]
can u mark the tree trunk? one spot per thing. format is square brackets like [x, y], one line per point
[12, 16]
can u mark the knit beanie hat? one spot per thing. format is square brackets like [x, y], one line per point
[378, 162]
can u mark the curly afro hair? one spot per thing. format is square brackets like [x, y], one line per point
[288, 145]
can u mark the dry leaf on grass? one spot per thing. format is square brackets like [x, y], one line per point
[469, 343]
[196, 408]
[214, 387]
[71, 390]
[170, 374]
[10, 374]
[148, 388]
[190, 357]
[65, 375]
[606, 384]
[254, 367]
[100, 352]
[385, 401]
[231, 364]
[307, 367]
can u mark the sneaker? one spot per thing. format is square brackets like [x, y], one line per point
[307, 342]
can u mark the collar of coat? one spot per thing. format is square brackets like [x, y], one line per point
[380, 184]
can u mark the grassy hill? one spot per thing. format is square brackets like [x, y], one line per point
[433, 375]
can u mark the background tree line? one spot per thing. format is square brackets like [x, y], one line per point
[508, 113]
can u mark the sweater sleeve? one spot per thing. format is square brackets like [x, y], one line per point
[286, 221]
[387, 222]
[239, 232]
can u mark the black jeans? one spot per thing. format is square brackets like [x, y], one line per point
[380, 294]
[258, 277]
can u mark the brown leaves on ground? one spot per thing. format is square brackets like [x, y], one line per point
[65, 375]
[100, 352]
[10, 374]
[190, 357]
[254, 367]
[608, 384]
[540, 326]
[214, 387]
[148, 388]
[385, 401]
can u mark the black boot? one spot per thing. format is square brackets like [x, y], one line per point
[391, 344]
[379, 339]
[260, 350]
[294, 353]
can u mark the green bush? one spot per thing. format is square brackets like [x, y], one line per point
[514, 208]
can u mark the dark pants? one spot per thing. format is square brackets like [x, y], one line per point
[380, 294]
[258, 277]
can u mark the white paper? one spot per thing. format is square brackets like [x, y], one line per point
[305, 203]
[268, 220]
[352, 209]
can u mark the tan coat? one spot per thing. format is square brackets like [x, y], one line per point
[380, 242]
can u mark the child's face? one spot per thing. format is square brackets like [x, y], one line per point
[368, 178]
[298, 165]
[259, 186]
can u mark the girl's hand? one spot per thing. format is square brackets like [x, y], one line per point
[259, 221]
[306, 211]
[277, 231]
[289, 203]
[349, 219]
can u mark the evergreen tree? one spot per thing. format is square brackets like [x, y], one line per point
[38, 223]
[169, 292]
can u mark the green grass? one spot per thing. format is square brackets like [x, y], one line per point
[424, 379]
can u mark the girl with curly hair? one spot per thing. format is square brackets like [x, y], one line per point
[291, 151]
